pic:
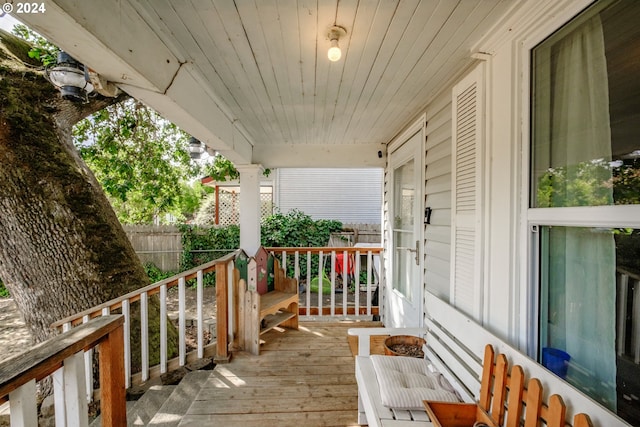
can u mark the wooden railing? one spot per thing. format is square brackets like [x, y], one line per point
[352, 274]
[221, 266]
[353, 269]
[63, 357]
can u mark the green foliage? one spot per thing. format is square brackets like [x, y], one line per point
[155, 274]
[297, 229]
[42, 50]
[141, 161]
[206, 215]
[222, 169]
[584, 184]
[204, 244]
[4, 292]
[594, 183]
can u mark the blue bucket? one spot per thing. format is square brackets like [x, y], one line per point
[555, 360]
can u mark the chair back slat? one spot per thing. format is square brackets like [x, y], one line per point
[499, 389]
[516, 391]
[534, 403]
[557, 411]
[487, 375]
[582, 420]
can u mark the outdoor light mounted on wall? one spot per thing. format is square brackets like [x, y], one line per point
[334, 54]
[71, 78]
[427, 215]
[196, 148]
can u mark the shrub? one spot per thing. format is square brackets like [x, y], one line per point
[4, 292]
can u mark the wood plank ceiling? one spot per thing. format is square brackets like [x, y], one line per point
[252, 79]
[266, 60]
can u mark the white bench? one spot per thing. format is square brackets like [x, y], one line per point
[455, 347]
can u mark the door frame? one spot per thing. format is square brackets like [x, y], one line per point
[419, 126]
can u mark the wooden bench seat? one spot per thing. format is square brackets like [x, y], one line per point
[258, 313]
[456, 346]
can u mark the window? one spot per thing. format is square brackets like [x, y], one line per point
[585, 202]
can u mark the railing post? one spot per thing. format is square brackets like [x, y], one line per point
[75, 389]
[222, 315]
[113, 405]
[22, 403]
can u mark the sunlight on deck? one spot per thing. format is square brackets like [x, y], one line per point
[304, 377]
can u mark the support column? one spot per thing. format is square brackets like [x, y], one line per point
[250, 207]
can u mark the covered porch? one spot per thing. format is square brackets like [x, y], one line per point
[440, 94]
[302, 377]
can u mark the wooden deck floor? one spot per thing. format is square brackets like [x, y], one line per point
[301, 378]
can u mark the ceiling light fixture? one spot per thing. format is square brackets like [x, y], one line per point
[334, 54]
[196, 148]
[71, 78]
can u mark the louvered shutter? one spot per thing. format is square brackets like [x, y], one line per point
[466, 188]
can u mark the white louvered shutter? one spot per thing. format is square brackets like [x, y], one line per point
[466, 188]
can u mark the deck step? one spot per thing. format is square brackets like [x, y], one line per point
[176, 406]
[148, 405]
[140, 412]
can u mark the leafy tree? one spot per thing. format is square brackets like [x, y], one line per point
[41, 50]
[140, 159]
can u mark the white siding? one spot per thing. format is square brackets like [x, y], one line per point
[438, 197]
[347, 195]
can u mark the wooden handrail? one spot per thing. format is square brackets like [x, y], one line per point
[47, 357]
[151, 289]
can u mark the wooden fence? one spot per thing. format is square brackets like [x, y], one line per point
[162, 245]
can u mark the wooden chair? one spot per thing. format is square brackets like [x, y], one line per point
[494, 404]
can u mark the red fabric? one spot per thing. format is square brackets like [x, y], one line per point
[340, 264]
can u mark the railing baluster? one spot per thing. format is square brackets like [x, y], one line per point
[200, 302]
[333, 283]
[296, 266]
[144, 335]
[182, 321]
[75, 391]
[163, 329]
[284, 261]
[345, 281]
[59, 397]
[356, 279]
[308, 287]
[369, 265]
[127, 343]
[320, 281]
[88, 367]
[22, 405]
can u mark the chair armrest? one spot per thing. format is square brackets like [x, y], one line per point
[364, 335]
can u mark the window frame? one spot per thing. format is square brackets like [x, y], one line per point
[612, 216]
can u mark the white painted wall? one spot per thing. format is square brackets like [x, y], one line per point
[348, 195]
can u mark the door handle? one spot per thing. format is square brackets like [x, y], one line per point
[415, 251]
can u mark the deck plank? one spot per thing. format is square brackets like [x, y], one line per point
[302, 377]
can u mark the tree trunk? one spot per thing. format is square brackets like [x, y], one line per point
[62, 249]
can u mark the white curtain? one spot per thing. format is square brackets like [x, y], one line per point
[581, 260]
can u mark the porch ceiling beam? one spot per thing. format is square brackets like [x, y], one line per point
[113, 39]
[316, 155]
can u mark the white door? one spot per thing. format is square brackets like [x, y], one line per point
[404, 287]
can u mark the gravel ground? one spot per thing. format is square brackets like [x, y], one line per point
[14, 336]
